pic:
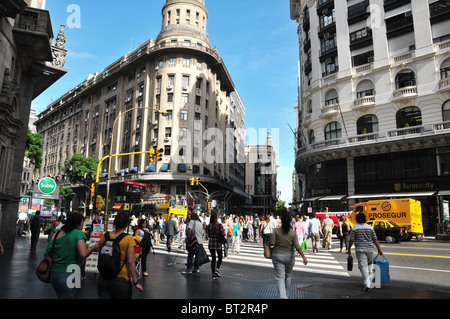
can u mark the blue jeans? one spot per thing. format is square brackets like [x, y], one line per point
[117, 288]
[197, 253]
[59, 284]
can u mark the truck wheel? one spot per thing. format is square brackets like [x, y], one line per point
[390, 239]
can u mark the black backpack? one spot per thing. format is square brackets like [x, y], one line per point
[109, 264]
[146, 242]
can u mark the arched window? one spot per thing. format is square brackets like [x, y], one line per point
[409, 116]
[367, 124]
[331, 97]
[445, 69]
[311, 137]
[333, 130]
[446, 111]
[365, 88]
[404, 79]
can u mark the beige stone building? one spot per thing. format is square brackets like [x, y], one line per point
[176, 92]
[374, 105]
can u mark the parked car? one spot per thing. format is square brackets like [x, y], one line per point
[388, 231]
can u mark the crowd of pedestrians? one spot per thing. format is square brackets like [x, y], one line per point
[285, 234]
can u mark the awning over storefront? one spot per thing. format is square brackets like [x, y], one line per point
[368, 196]
[411, 194]
[118, 206]
[311, 199]
[444, 193]
[332, 197]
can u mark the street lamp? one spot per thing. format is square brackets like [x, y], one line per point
[108, 181]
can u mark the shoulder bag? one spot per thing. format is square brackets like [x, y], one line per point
[44, 269]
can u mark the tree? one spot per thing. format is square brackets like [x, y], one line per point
[81, 172]
[280, 207]
[33, 149]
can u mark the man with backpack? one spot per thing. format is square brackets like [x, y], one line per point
[116, 263]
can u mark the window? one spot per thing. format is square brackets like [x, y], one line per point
[185, 81]
[198, 84]
[404, 79]
[169, 115]
[311, 137]
[171, 80]
[331, 97]
[186, 62]
[184, 115]
[198, 100]
[172, 61]
[409, 116]
[166, 149]
[169, 97]
[365, 88]
[446, 111]
[367, 124]
[332, 131]
[185, 98]
[445, 70]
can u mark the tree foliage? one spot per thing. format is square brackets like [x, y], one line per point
[33, 149]
[81, 170]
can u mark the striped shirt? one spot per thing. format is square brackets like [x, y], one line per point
[363, 236]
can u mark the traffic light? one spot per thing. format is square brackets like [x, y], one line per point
[194, 181]
[159, 154]
[93, 190]
[209, 207]
[152, 155]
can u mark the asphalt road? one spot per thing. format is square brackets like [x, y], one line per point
[423, 264]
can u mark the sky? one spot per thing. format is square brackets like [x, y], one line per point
[256, 39]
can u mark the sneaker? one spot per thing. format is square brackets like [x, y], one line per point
[186, 272]
[195, 271]
[217, 273]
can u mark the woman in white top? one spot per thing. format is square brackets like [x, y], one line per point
[265, 229]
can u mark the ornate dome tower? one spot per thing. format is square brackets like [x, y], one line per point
[186, 19]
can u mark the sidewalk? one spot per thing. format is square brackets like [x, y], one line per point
[18, 281]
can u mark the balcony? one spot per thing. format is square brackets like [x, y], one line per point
[444, 85]
[405, 93]
[364, 102]
[329, 110]
[33, 34]
[415, 137]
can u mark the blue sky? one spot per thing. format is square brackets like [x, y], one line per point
[256, 40]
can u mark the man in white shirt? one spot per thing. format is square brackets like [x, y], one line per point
[21, 220]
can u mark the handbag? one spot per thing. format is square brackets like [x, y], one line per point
[267, 252]
[350, 263]
[222, 238]
[204, 257]
[44, 269]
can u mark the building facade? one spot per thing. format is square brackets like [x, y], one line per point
[374, 103]
[261, 178]
[28, 66]
[177, 95]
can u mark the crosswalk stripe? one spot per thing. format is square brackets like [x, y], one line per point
[252, 254]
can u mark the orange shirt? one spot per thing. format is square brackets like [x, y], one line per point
[125, 243]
